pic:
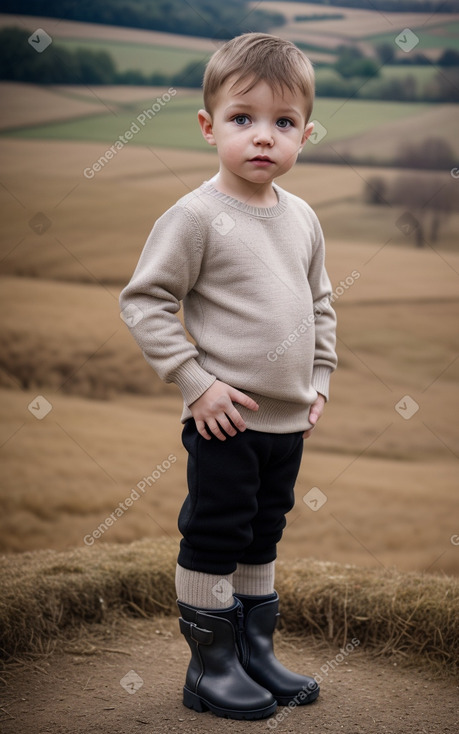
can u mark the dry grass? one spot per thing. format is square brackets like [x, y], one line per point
[385, 141]
[355, 24]
[46, 595]
[412, 616]
[97, 361]
[391, 495]
[58, 28]
[65, 340]
[27, 104]
[98, 226]
[31, 104]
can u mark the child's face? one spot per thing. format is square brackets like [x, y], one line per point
[258, 134]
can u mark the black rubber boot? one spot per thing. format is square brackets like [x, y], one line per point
[257, 654]
[215, 679]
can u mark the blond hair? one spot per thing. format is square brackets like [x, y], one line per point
[255, 57]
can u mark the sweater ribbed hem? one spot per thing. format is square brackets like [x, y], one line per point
[192, 380]
[272, 416]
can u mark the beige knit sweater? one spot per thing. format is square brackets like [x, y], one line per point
[255, 294]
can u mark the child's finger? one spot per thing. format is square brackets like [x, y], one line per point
[201, 428]
[239, 397]
[237, 419]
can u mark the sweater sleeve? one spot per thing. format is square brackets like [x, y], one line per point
[325, 358]
[167, 270]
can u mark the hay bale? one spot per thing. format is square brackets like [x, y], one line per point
[45, 595]
[411, 615]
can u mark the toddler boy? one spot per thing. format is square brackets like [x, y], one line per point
[247, 260]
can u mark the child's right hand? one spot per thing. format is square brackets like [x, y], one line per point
[215, 407]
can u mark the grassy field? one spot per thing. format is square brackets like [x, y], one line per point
[68, 29]
[384, 141]
[367, 28]
[422, 74]
[112, 421]
[74, 248]
[367, 128]
[431, 36]
[175, 126]
[155, 51]
[146, 57]
[69, 244]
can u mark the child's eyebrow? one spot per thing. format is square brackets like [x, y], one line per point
[238, 106]
[247, 107]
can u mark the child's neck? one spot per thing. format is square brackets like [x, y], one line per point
[258, 195]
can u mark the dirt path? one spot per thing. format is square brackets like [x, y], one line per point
[78, 691]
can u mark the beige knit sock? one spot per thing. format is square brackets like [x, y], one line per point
[204, 590]
[254, 580]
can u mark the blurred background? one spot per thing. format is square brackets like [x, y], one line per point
[99, 135]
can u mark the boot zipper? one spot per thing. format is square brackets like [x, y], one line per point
[243, 648]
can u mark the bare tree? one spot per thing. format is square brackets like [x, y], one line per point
[430, 153]
[429, 201]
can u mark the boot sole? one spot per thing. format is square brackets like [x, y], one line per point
[193, 701]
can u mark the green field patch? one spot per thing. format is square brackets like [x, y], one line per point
[348, 118]
[443, 35]
[143, 57]
[175, 124]
[422, 74]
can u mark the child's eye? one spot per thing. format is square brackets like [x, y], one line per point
[283, 122]
[240, 119]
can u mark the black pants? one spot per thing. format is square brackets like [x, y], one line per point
[239, 491]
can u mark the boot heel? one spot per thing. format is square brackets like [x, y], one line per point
[192, 701]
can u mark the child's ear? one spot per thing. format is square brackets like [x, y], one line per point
[205, 123]
[307, 131]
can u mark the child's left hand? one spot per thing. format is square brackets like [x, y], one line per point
[315, 412]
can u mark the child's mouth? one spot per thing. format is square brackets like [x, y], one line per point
[262, 161]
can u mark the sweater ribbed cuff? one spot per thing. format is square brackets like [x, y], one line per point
[321, 379]
[192, 380]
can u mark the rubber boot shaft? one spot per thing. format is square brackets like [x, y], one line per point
[261, 614]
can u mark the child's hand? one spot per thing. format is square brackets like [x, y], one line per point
[315, 411]
[215, 407]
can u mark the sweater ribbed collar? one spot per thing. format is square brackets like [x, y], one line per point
[256, 211]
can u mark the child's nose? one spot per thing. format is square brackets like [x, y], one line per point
[263, 136]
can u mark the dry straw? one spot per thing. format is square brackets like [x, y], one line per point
[47, 595]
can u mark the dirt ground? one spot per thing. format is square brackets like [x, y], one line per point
[77, 690]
